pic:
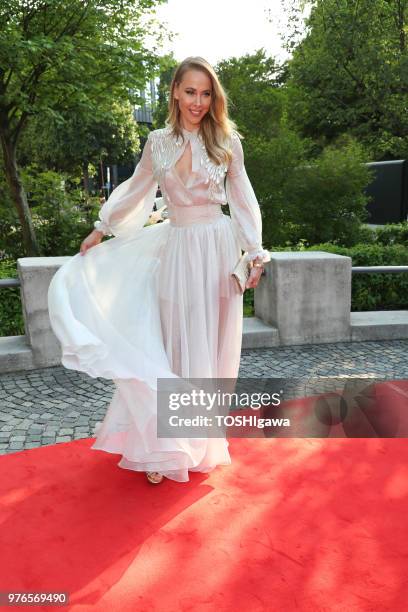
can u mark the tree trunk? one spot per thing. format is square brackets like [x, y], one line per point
[18, 195]
[85, 171]
[102, 177]
[400, 19]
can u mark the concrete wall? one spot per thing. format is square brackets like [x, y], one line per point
[304, 297]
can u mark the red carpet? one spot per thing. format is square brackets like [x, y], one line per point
[292, 524]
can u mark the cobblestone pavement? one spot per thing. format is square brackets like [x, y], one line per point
[50, 405]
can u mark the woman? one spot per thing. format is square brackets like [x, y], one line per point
[159, 300]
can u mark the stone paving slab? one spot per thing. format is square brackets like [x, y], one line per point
[51, 405]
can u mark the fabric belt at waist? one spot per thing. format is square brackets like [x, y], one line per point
[182, 216]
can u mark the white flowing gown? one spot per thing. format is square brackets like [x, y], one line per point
[158, 301]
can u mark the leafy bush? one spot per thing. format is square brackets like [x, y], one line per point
[393, 233]
[11, 316]
[249, 303]
[10, 235]
[61, 212]
[381, 291]
[317, 200]
[325, 201]
[62, 216]
[270, 164]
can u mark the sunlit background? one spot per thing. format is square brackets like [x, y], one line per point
[219, 29]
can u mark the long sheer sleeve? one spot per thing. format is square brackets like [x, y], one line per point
[128, 207]
[244, 207]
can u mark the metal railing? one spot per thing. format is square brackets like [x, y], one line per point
[9, 282]
[15, 282]
[376, 269]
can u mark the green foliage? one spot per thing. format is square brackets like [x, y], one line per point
[62, 214]
[325, 200]
[385, 235]
[365, 235]
[312, 200]
[256, 103]
[350, 75]
[11, 316]
[81, 141]
[62, 63]
[270, 165]
[248, 303]
[304, 194]
[168, 66]
[394, 233]
[380, 291]
[62, 217]
[10, 230]
[70, 55]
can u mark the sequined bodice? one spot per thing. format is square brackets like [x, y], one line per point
[197, 200]
[204, 185]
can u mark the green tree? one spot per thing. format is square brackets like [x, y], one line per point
[350, 75]
[324, 199]
[65, 57]
[169, 64]
[81, 143]
[304, 194]
[251, 82]
[257, 104]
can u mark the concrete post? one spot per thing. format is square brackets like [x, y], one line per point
[35, 275]
[307, 296]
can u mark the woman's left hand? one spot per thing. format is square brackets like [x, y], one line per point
[254, 276]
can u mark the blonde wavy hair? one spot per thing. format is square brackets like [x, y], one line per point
[216, 127]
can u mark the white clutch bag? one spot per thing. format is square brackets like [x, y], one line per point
[241, 272]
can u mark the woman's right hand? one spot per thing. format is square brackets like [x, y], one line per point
[90, 241]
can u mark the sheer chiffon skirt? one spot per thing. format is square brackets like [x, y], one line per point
[161, 304]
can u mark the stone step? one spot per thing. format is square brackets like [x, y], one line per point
[257, 334]
[15, 354]
[379, 325]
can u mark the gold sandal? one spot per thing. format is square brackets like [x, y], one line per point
[154, 477]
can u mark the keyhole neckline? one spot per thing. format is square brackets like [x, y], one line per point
[184, 183]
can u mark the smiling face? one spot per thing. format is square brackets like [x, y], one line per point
[194, 95]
